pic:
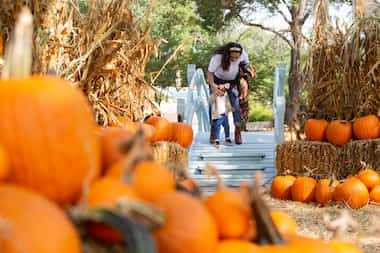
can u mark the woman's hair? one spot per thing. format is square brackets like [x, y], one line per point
[225, 52]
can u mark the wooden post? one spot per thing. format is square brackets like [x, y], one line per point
[279, 103]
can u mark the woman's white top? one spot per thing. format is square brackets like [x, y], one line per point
[215, 66]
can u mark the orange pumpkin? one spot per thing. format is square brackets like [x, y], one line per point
[188, 228]
[374, 195]
[120, 121]
[105, 192]
[152, 179]
[367, 127]
[353, 192]
[284, 224]
[370, 178]
[303, 189]
[163, 128]
[4, 164]
[315, 129]
[230, 211]
[344, 247]
[52, 144]
[117, 170]
[133, 127]
[324, 191]
[34, 224]
[182, 134]
[235, 246]
[281, 187]
[111, 139]
[339, 132]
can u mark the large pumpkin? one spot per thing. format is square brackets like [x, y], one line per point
[162, 126]
[152, 179]
[182, 134]
[188, 228]
[235, 246]
[353, 192]
[303, 189]
[105, 192]
[4, 164]
[111, 139]
[325, 190]
[49, 134]
[315, 129]
[34, 224]
[374, 195]
[231, 213]
[339, 132]
[369, 177]
[367, 127]
[281, 187]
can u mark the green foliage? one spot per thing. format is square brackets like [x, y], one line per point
[259, 112]
[177, 22]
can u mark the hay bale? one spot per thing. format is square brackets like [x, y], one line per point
[352, 154]
[173, 156]
[322, 159]
[316, 159]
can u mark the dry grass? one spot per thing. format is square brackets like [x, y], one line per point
[309, 218]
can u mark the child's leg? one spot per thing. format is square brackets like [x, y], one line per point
[226, 127]
[217, 124]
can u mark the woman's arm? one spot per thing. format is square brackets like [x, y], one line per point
[214, 87]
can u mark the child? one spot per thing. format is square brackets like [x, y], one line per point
[220, 107]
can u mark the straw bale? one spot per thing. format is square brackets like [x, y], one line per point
[173, 156]
[299, 158]
[322, 159]
[352, 154]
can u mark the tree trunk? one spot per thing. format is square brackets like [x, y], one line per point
[294, 79]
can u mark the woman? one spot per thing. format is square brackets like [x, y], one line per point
[224, 68]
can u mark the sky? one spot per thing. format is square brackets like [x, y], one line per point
[343, 13]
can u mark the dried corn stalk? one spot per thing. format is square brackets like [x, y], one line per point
[100, 47]
[342, 75]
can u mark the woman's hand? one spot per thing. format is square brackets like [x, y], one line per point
[217, 90]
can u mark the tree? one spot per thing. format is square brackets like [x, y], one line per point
[293, 13]
[184, 40]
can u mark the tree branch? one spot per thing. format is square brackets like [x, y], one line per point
[307, 14]
[280, 11]
[278, 33]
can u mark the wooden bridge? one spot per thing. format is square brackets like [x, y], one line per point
[234, 163]
[238, 162]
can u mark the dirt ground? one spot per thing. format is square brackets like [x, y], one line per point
[309, 218]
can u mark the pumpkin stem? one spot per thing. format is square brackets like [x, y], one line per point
[266, 229]
[18, 54]
[136, 237]
[195, 192]
[138, 150]
[213, 171]
[150, 216]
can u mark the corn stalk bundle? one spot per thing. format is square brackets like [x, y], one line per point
[342, 75]
[99, 46]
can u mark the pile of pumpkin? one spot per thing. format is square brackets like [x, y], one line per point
[158, 129]
[356, 191]
[340, 132]
[53, 159]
